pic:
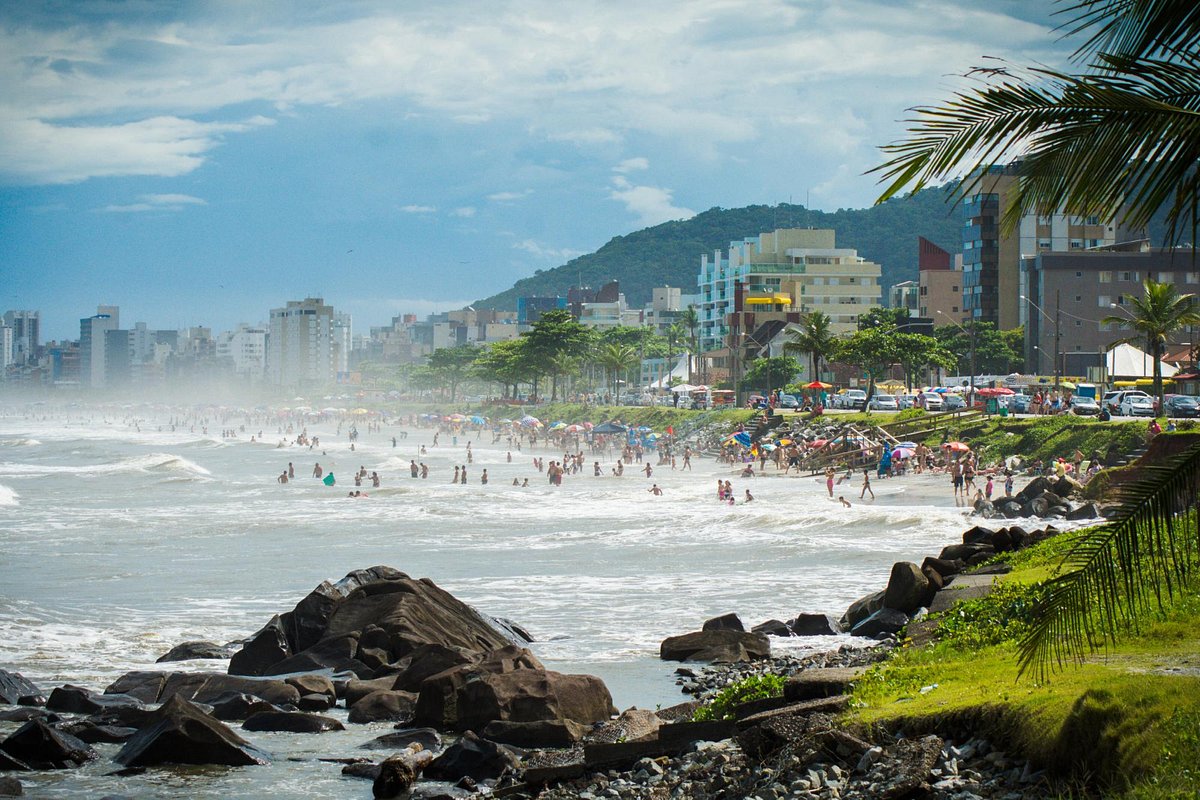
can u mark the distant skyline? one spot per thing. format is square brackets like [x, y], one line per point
[198, 163]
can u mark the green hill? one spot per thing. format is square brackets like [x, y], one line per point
[669, 254]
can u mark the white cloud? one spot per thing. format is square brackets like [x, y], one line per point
[507, 197]
[652, 205]
[697, 76]
[548, 253]
[464, 212]
[414, 209]
[632, 165]
[157, 202]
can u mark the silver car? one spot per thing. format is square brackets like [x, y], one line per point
[1137, 406]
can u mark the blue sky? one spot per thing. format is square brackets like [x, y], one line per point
[200, 163]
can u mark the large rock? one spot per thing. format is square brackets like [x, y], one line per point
[814, 625]
[428, 738]
[183, 734]
[557, 733]
[966, 552]
[862, 608]
[145, 686]
[10, 787]
[204, 687]
[236, 706]
[385, 705]
[78, 700]
[41, 747]
[358, 689]
[188, 651]
[365, 623]
[773, 627]
[1036, 487]
[261, 651]
[1085, 511]
[291, 722]
[14, 686]
[883, 621]
[471, 757]
[725, 622]
[1066, 486]
[908, 589]
[470, 697]
[430, 659]
[715, 645]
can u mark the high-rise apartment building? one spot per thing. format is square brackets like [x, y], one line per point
[92, 344]
[783, 274]
[992, 257]
[302, 347]
[245, 348]
[26, 335]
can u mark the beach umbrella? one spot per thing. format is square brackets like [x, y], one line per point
[558, 426]
[456, 417]
[767, 446]
[818, 443]
[652, 437]
[506, 422]
[478, 420]
[902, 452]
[1070, 386]
[644, 429]
[609, 427]
[588, 426]
[360, 412]
[575, 429]
[957, 447]
[941, 390]
[530, 421]
[818, 385]
[909, 445]
[742, 438]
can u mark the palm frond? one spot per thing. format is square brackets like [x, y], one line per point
[1144, 554]
[1133, 27]
[1089, 143]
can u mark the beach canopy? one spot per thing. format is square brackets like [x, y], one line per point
[609, 427]
[997, 392]
[685, 387]
[818, 385]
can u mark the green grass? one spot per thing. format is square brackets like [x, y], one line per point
[1125, 722]
[756, 687]
[1047, 437]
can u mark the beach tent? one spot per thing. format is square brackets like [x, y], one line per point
[609, 427]
[685, 387]
[1126, 361]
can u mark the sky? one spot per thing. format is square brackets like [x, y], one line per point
[199, 163]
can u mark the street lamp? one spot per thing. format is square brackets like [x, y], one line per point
[1057, 331]
[971, 334]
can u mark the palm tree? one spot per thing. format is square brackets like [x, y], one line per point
[1159, 313]
[690, 319]
[813, 337]
[561, 365]
[617, 359]
[1126, 132]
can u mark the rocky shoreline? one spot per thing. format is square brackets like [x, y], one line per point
[475, 711]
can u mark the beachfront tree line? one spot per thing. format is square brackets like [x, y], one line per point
[1122, 133]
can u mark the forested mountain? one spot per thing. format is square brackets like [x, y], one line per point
[669, 254]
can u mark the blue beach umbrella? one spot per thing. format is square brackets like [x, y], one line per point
[742, 438]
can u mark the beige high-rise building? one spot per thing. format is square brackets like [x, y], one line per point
[940, 294]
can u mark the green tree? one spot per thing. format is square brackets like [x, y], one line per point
[814, 337]
[766, 374]
[617, 360]
[503, 363]
[996, 352]
[690, 319]
[563, 366]
[556, 332]
[883, 318]
[917, 352]
[873, 351]
[1156, 317]
[451, 365]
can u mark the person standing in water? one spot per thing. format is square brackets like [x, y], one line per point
[483, 478]
[455, 479]
[830, 474]
[866, 487]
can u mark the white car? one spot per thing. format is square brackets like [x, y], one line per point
[933, 401]
[884, 402]
[1137, 406]
[853, 399]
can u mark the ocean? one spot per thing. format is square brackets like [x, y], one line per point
[120, 538]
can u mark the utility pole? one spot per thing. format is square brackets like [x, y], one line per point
[1057, 338]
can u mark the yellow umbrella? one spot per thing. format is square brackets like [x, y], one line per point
[360, 411]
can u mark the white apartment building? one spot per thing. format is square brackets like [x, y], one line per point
[302, 348]
[246, 347]
[6, 350]
[786, 271]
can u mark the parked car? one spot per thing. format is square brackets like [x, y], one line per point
[953, 402]
[906, 401]
[884, 402]
[789, 401]
[1137, 406]
[1112, 400]
[1020, 403]
[933, 401]
[854, 399]
[1181, 405]
[1084, 406]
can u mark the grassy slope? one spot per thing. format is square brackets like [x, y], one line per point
[1127, 720]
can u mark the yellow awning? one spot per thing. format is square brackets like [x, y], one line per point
[769, 300]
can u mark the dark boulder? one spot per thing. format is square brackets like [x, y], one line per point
[908, 589]
[26, 713]
[470, 697]
[428, 738]
[862, 608]
[473, 757]
[361, 770]
[984, 508]
[1008, 507]
[188, 651]
[358, 689]
[883, 621]
[1036, 487]
[976, 535]
[10, 764]
[314, 703]
[10, 787]
[211, 686]
[261, 651]
[291, 722]
[511, 630]
[1085, 511]
[41, 747]
[145, 686]
[385, 705]
[814, 625]
[725, 622]
[1066, 486]
[78, 700]
[14, 686]
[947, 568]
[313, 684]
[1002, 541]
[772, 627]
[183, 734]
[237, 706]
[557, 733]
[430, 659]
[91, 733]
[335, 653]
[965, 552]
[715, 645]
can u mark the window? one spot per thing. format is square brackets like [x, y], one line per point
[1077, 244]
[954, 288]
[954, 309]
[1105, 276]
[1166, 277]
[1044, 244]
[1078, 298]
[1078, 274]
[1129, 276]
[1078, 323]
[1193, 277]
[1104, 301]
